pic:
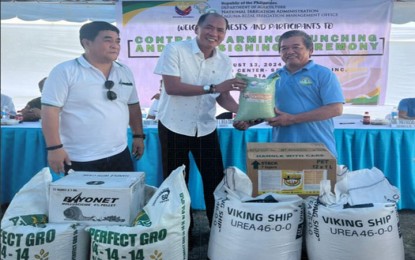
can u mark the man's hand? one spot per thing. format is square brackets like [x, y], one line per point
[31, 114]
[231, 85]
[156, 96]
[243, 125]
[138, 148]
[281, 119]
[57, 158]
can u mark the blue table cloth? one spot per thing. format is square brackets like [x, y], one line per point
[391, 150]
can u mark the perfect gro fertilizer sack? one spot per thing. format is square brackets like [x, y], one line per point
[26, 233]
[160, 230]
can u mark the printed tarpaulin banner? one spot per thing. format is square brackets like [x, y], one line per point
[350, 37]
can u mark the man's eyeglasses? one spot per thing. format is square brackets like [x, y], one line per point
[111, 95]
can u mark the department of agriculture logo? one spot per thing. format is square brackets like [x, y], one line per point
[203, 8]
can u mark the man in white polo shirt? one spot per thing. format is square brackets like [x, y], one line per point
[196, 75]
[87, 105]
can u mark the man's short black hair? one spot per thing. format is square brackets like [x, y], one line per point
[90, 30]
[307, 40]
[203, 17]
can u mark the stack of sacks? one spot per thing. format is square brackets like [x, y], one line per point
[360, 217]
[159, 231]
[26, 233]
[265, 227]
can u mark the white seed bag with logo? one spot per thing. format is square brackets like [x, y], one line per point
[269, 226]
[257, 101]
[160, 230]
[360, 232]
[26, 233]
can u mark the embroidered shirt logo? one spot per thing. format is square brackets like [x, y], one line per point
[306, 81]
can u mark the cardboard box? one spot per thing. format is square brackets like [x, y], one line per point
[289, 168]
[97, 198]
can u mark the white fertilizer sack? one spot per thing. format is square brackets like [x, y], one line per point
[161, 228]
[269, 226]
[367, 186]
[26, 233]
[361, 232]
[30, 204]
[53, 241]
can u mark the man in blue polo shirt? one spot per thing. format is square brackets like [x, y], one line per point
[308, 95]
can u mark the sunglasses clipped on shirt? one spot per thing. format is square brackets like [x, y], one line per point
[111, 95]
[109, 84]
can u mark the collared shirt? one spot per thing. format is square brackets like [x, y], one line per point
[91, 126]
[310, 88]
[191, 115]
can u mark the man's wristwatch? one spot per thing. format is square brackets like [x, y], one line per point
[143, 136]
[206, 89]
[209, 89]
[212, 89]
